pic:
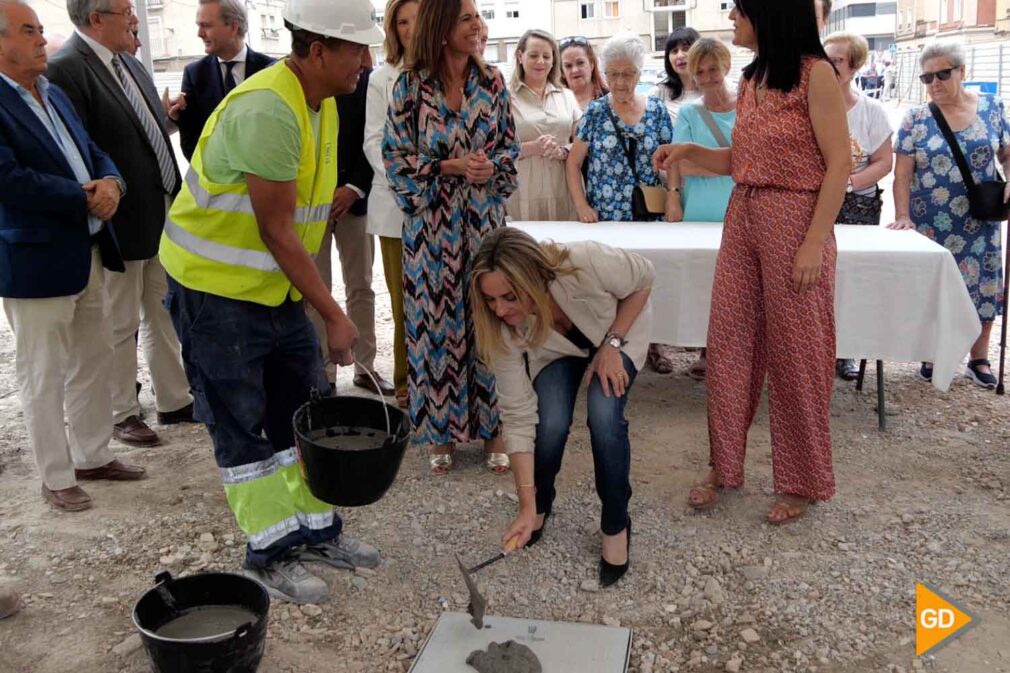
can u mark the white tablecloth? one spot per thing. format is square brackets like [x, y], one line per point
[899, 296]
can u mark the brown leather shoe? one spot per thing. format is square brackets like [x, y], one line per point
[10, 602]
[72, 499]
[135, 432]
[114, 471]
[184, 415]
[364, 381]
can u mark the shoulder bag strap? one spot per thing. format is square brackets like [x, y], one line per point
[709, 120]
[955, 147]
[620, 137]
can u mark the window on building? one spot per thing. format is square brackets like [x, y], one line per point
[862, 9]
[885, 8]
[726, 5]
[512, 11]
[957, 11]
[156, 35]
[587, 9]
[611, 9]
[487, 13]
[491, 54]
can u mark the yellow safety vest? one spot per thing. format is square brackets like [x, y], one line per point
[212, 242]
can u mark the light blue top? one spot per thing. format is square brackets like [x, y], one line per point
[704, 199]
[47, 115]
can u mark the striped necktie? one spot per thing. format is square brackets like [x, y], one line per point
[154, 135]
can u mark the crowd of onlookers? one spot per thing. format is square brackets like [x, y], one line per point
[436, 153]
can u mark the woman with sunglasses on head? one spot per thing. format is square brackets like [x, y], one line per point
[449, 150]
[930, 193]
[545, 116]
[679, 87]
[552, 319]
[773, 293]
[580, 70]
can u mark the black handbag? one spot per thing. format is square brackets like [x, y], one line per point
[985, 199]
[861, 209]
[647, 201]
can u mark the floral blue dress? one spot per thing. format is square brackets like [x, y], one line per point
[609, 180]
[939, 200]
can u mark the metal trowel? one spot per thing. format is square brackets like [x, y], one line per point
[478, 604]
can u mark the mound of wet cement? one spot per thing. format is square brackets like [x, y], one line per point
[507, 657]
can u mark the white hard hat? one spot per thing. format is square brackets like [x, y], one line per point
[351, 20]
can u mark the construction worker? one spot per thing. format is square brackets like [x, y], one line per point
[238, 248]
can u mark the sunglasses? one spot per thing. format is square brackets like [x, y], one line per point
[577, 41]
[942, 75]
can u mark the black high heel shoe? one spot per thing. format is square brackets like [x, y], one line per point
[610, 573]
[538, 533]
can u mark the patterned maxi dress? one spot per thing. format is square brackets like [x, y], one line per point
[452, 394]
[939, 201]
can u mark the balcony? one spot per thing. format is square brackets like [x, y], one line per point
[921, 27]
[155, 4]
[665, 5]
[270, 33]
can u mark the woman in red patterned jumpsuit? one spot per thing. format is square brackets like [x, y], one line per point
[773, 296]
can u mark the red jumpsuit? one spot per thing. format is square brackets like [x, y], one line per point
[759, 323]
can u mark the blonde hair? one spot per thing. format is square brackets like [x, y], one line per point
[519, 73]
[705, 47]
[856, 45]
[529, 267]
[395, 50]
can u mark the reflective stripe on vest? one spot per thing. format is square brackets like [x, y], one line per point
[212, 241]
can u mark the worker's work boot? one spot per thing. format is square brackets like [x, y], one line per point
[288, 580]
[10, 602]
[344, 552]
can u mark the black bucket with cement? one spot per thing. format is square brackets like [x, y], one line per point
[349, 455]
[206, 623]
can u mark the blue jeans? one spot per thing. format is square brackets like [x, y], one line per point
[250, 367]
[557, 387]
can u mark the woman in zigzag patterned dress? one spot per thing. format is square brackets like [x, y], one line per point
[450, 152]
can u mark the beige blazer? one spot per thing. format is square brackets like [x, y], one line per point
[589, 299]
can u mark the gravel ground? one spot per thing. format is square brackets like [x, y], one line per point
[722, 591]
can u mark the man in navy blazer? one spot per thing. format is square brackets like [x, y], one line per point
[221, 24]
[59, 191]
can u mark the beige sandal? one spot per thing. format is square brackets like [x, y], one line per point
[497, 463]
[793, 507]
[703, 496]
[441, 463]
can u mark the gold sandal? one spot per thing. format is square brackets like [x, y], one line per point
[441, 463]
[497, 463]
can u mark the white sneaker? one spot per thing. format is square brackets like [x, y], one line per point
[289, 580]
[344, 552]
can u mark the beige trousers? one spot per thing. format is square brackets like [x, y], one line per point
[137, 300]
[62, 359]
[357, 253]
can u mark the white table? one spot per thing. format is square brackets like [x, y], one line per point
[899, 296]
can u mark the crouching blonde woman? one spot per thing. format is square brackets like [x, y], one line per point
[548, 319]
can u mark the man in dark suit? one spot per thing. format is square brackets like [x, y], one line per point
[222, 26]
[122, 111]
[58, 191]
[356, 247]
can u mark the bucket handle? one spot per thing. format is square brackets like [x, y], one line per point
[378, 389]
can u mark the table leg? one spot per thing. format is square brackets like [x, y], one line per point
[862, 374]
[881, 417]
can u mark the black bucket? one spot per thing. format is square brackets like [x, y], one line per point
[350, 478]
[236, 651]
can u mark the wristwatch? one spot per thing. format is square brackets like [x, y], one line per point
[614, 339]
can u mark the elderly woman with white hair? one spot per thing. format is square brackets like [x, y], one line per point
[931, 192]
[618, 133]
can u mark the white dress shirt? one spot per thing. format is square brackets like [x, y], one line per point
[238, 70]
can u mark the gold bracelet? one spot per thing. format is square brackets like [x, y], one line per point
[526, 486]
